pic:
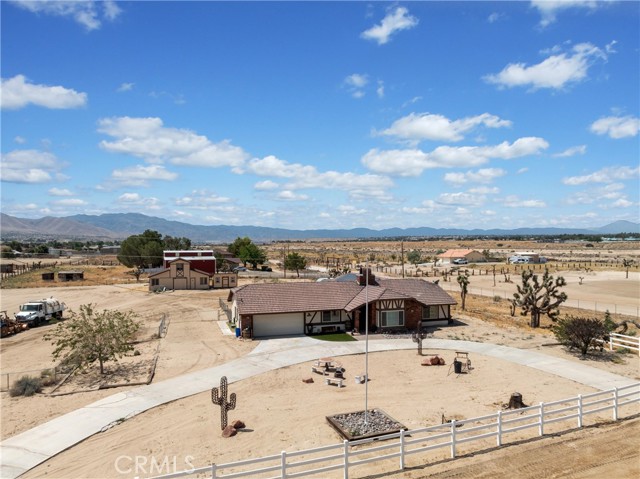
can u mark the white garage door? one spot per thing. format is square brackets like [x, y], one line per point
[278, 324]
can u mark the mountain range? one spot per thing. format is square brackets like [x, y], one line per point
[118, 226]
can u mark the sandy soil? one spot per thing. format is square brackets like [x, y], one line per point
[281, 412]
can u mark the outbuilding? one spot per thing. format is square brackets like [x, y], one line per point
[470, 255]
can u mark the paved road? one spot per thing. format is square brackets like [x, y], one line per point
[30, 448]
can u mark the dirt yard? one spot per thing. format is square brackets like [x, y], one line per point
[272, 404]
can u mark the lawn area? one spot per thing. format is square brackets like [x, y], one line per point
[336, 337]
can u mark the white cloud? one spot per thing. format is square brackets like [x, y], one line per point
[605, 175]
[412, 162]
[202, 200]
[427, 126]
[355, 84]
[266, 185]
[135, 199]
[17, 92]
[289, 195]
[348, 210]
[513, 201]
[308, 177]
[20, 140]
[611, 191]
[69, 202]
[616, 127]
[494, 17]
[574, 150]
[485, 190]
[556, 71]
[522, 170]
[125, 87]
[29, 166]
[60, 192]
[395, 21]
[483, 175]
[141, 175]
[147, 138]
[461, 199]
[549, 8]
[380, 89]
[622, 203]
[84, 12]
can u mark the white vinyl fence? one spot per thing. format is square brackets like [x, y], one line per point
[486, 432]
[622, 341]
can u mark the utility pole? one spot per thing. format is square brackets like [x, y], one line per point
[402, 256]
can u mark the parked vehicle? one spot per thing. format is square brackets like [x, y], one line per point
[518, 260]
[265, 268]
[37, 312]
[239, 268]
[9, 326]
[459, 261]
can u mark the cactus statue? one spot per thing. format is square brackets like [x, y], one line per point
[219, 397]
[417, 336]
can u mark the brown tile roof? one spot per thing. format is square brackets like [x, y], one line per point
[425, 292]
[293, 297]
[330, 295]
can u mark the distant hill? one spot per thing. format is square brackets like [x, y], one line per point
[122, 225]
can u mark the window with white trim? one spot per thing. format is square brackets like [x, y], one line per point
[430, 312]
[204, 281]
[390, 319]
[155, 282]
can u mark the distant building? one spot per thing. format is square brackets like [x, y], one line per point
[71, 276]
[202, 260]
[472, 256]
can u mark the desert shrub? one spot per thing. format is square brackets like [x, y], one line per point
[581, 333]
[623, 351]
[26, 386]
[497, 299]
[48, 377]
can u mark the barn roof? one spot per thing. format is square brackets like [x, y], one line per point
[456, 253]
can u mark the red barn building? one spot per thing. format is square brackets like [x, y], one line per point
[202, 260]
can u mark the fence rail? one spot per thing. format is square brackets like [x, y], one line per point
[7, 379]
[399, 446]
[617, 340]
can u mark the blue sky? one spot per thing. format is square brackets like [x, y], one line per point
[309, 115]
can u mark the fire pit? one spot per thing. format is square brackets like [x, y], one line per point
[352, 425]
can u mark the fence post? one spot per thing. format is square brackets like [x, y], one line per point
[610, 342]
[499, 436]
[214, 471]
[283, 464]
[541, 425]
[346, 459]
[615, 404]
[580, 410]
[402, 449]
[453, 439]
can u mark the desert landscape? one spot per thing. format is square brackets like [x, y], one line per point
[281, 412]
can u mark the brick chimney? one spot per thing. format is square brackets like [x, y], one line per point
[362, 278]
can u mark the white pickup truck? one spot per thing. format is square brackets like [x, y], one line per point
[37, 312]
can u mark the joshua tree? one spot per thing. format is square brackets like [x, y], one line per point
[627, 264]
[219, 397]
[539, 297]
[463, 281]
[417, 336]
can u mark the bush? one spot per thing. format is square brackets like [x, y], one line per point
[497, 299]
[48, 377]
[581, 333]
[26, 386]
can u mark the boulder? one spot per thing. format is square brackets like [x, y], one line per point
[238, 424]
[229, 431]
[435, 361]
[307, 380]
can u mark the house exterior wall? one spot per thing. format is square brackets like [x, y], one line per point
[179, 275]
[224, 280]
[317, 322]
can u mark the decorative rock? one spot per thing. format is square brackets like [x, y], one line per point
[441, 361]
[229, 431]
[426, 362]
[435, 361]
[238, 424]
[307, 380]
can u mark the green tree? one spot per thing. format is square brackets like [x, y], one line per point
[537, 297]
[171, 243]
[295, 262]
[414, 256]
[138, 251]
[91, 335]
[463, 281]
[581, 333]
[235, 247]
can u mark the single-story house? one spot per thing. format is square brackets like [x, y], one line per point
[180, 274]
[472, 256]
[224, 280]
[280, 309]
